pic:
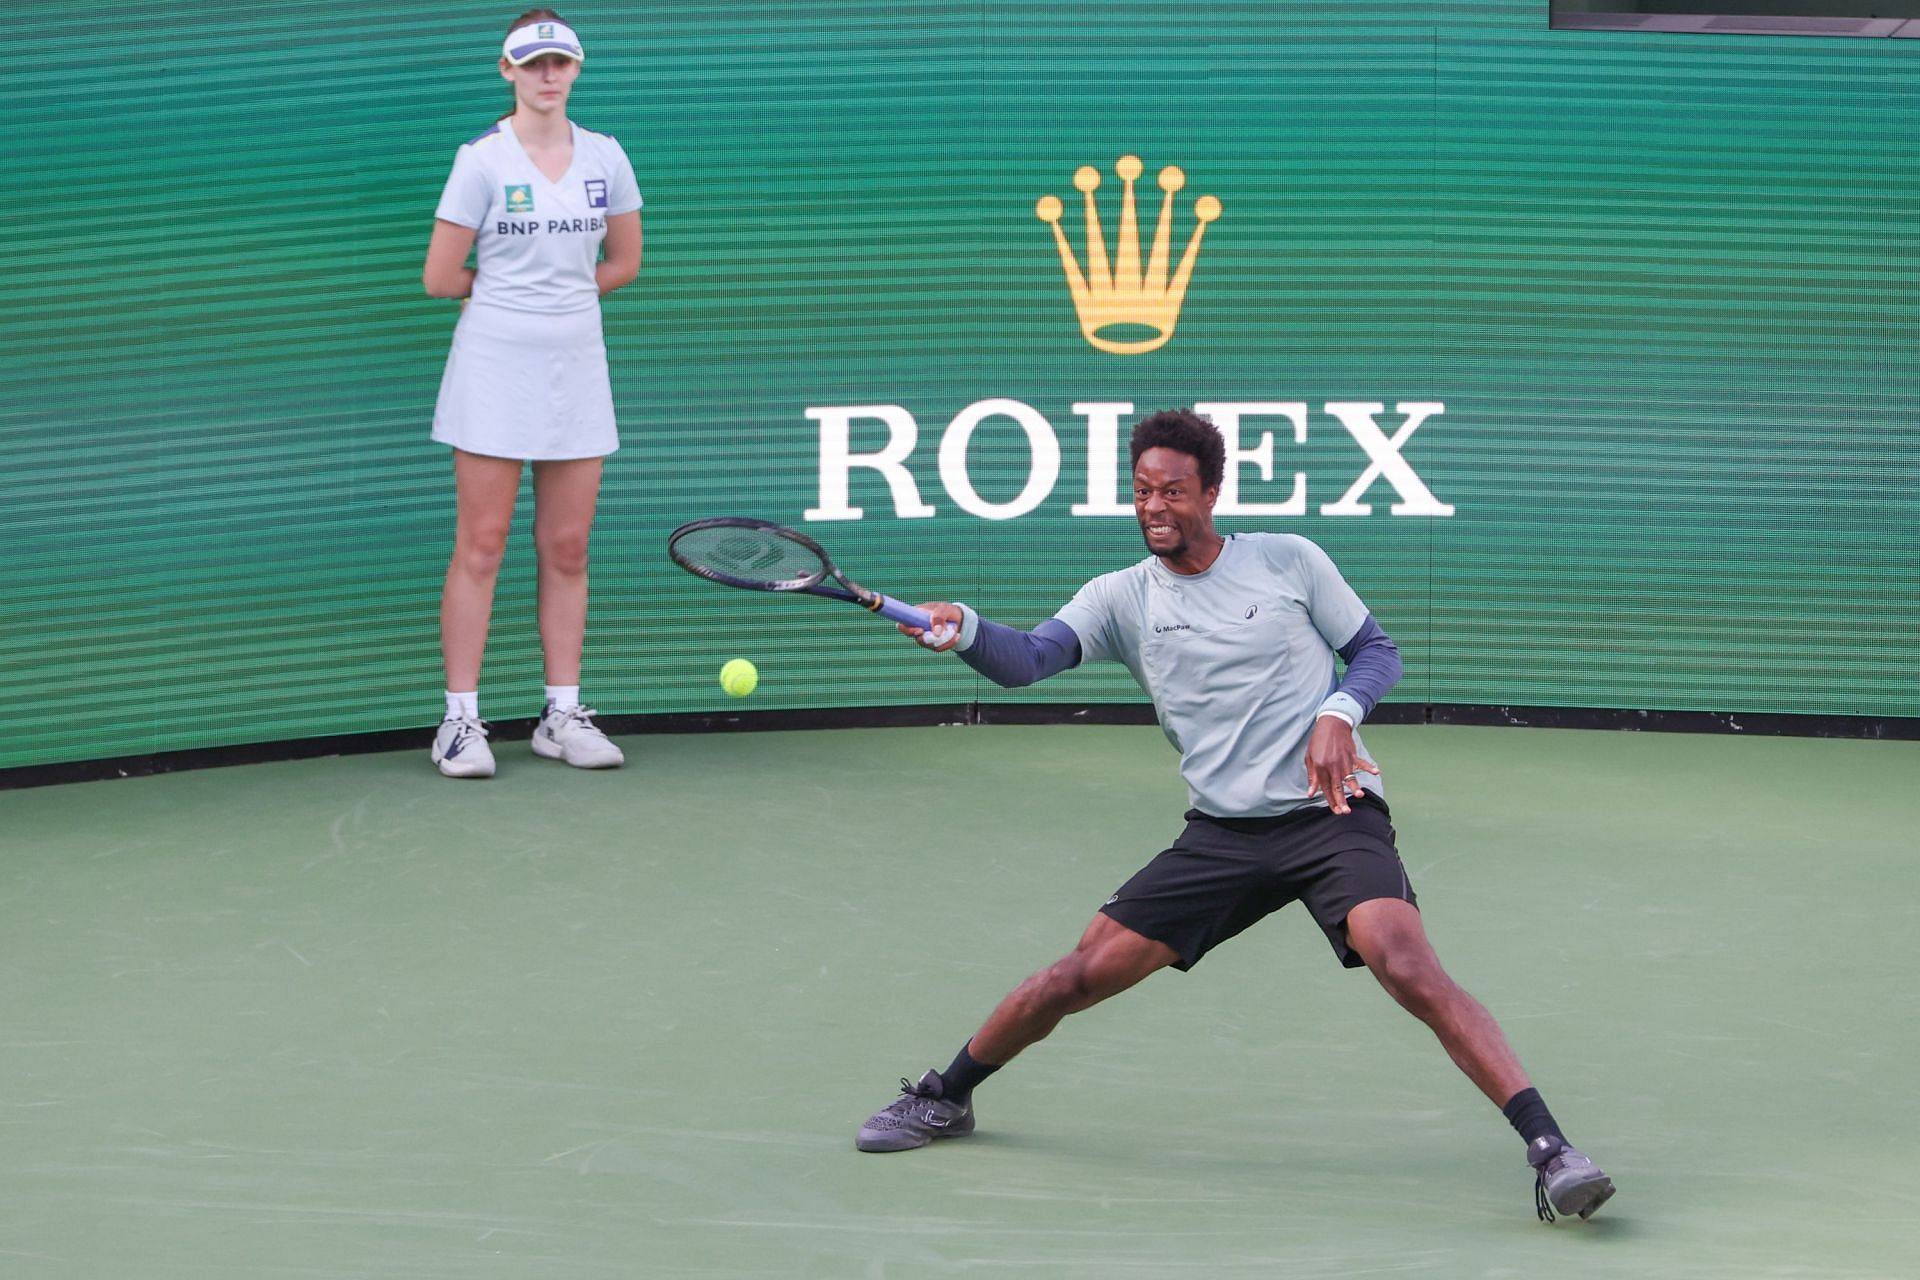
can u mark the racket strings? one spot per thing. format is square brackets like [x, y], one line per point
[748, 555]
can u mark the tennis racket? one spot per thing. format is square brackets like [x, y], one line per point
[758, 555]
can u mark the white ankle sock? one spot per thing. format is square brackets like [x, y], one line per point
[563, 697]
[465, 705]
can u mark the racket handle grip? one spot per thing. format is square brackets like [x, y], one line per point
[891, 608]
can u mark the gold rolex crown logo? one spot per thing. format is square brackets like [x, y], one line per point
[1117, 296]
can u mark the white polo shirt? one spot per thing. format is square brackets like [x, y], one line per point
[536, 240]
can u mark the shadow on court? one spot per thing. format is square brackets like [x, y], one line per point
[345, 1018]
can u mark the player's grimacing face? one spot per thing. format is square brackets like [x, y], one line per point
[1173, 508]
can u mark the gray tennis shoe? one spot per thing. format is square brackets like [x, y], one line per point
[916, 1117]
[1565, 1180]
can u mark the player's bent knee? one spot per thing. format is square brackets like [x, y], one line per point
[1066, 983]
[1073, 983]
[1417, 991]
[1413, 978]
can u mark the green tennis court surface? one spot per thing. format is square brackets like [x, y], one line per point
[346, 1018]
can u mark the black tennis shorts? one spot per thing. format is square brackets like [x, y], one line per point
[1223, 874]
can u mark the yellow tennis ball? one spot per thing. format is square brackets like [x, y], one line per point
[739, 677]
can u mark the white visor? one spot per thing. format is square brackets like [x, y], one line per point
[524, 44]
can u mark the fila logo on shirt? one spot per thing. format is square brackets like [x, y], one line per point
[519, 198]
[596, 193]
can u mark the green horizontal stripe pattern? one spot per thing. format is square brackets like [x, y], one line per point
[1665, 286]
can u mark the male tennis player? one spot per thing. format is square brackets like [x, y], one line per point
[1234, 639]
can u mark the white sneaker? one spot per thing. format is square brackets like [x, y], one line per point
[572, 736]
[460, 748]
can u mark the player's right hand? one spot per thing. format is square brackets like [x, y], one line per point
[945, 631]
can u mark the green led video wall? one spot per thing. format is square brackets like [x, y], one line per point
[1593, 358]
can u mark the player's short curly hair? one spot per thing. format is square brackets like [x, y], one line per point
[1183, 431]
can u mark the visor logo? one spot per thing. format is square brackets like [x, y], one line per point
[546, 31]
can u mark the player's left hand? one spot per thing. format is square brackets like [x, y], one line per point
[1333, 765]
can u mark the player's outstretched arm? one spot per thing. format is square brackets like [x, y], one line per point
[1005, 655]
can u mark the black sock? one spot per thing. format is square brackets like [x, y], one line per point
[1529, 1117]
[958, 1080]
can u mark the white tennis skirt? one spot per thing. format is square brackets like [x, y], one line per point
[524, 385]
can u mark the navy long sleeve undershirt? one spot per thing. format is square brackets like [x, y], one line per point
[1373, 666]
[1012, 658]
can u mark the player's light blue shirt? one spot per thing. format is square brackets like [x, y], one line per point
[1237, 660]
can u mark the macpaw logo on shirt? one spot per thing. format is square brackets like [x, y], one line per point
[519, 198]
